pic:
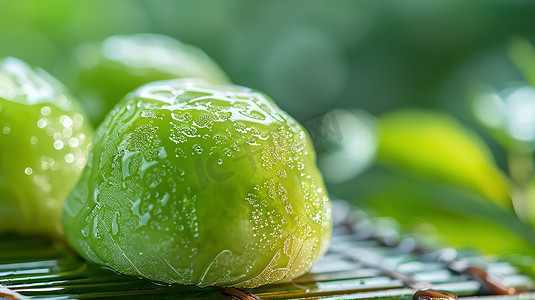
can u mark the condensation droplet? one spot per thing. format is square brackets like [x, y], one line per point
[6, 130]
[197, 148]
[28, 171]
[65, 121]
[179, 152]
[114, 226]
[81, 162]
[45, 110]
[96, 233]
[45, 165]
[162, 153]
[58, 145]
[78, 120]
[74, 142]
[41, 123]
[251, 141]
[67, 132]
[62, 100]
[50, 131]
[148, 113]
[54, 166]
[69, 158]
[34, 140]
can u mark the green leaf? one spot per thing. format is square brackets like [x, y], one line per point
[459, 217]
[436, 146]
[522, 53]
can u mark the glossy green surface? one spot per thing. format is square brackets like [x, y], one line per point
[105, 72]
[198, 183]
[43, 146]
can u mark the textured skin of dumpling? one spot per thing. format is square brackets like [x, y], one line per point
[103, 73]
[200, 184]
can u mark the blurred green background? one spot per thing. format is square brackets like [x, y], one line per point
[368, 58]
[308, 55]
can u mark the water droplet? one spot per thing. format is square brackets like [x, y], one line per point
[69, 158]
[6, 129]
[66, 121]
[58, 145]
[96, 234]
[81, 162]
[162, 153]
[28, 171]
[45, 110]
[74, 142]
[67, 132]
[197, 149]
[50, 131]
[177, 137]
[185, 118]
[251, 141]
[148, 113]
[54, 165]
[164, 199]
[179, 152]
[114, 226]
[224, 115]
[78, 120]
[34, 140]
[254, 114]
[42, 122]
[45, 165]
